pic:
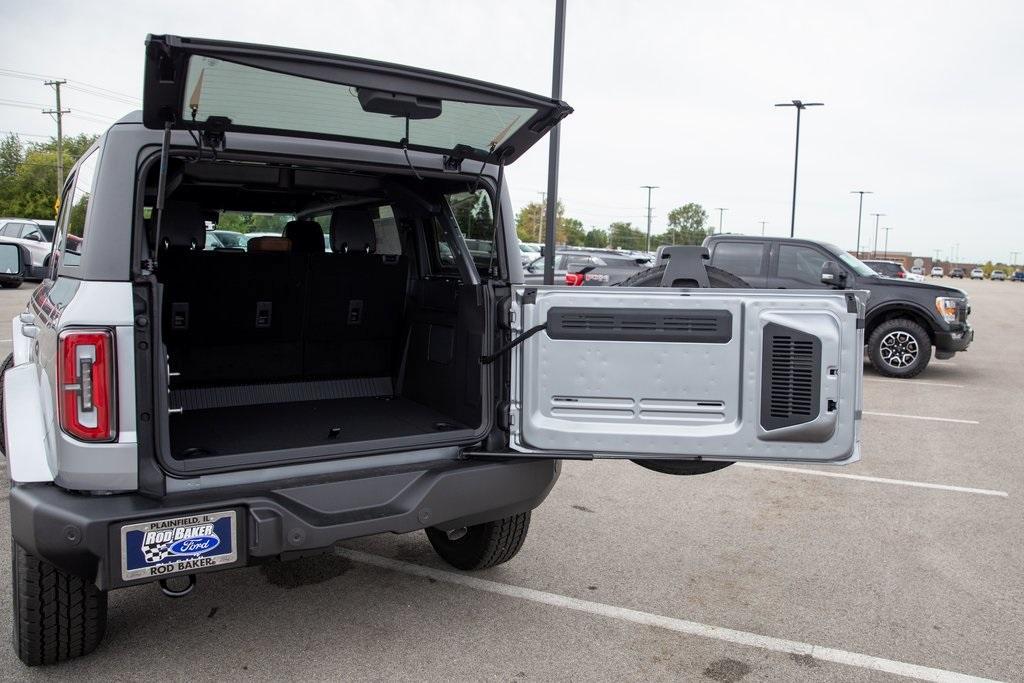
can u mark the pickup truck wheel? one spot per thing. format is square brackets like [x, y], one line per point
[900, 348]
[57, 616]
[483, 545]
[719, 279]
[7, 365]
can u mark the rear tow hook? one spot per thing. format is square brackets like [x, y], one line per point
[165, 586]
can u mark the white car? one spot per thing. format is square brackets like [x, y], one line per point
[937, 271]
[977, 274]
[998, 275]
[918, 270]
[35, 235]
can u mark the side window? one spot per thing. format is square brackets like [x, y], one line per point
[474, 216]
[740, 258]
[802, 264]
[69, 241]
[384, 224]
[33, 232]
[10, 230]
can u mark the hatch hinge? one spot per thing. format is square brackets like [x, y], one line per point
[452, 163]
[213, 131]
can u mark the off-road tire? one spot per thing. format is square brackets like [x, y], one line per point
[484, 545]
[897, 325]
[57, 616]
[7, 365]
[717, 278]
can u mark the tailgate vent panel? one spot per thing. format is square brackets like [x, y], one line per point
[624, 324]
[790, 377]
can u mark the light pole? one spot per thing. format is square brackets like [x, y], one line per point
[1013, 257]
[886, 254]
[860, 210]
[720, 211]
[649, 188]
[554, 138]
[874, 252]
[800, 106]
[763, 223]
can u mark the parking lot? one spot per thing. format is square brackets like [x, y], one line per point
[906, 563]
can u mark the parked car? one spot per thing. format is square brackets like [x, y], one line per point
[917, 270]
[529, 252]
[998, 274]
[893, 269]
[35, 236]
[229, 239]
[977, 274]
[1018, 276]
[937, 271]
[182, 410]
[957, 273]
[904, 320]
[580, 267]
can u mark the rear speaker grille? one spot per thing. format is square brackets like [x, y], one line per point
[791, 377]
[710, 326]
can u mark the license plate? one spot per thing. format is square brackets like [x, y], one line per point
[177, 545]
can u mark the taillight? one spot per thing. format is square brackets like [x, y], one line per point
[901, 274]
[85, 382]
[574, 279]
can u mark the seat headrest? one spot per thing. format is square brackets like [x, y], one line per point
[307, 236]
[182, 225]
[352, 231]
[268, 244]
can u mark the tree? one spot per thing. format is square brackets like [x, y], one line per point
[530, 225]
[596, 237]
[30, 191]
[622, 235]
[687, 225]
[12, 154]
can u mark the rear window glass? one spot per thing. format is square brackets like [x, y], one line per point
[740, 258]
[473, 215]
[264, 99]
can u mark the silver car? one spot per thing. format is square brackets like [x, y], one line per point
[34, 235]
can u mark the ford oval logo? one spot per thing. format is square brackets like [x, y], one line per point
[195, 545]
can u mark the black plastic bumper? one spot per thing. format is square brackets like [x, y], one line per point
[955, 341]
[81, 534]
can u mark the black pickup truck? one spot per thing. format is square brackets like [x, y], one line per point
[904, 319]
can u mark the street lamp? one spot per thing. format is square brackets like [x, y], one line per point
[860, 209]
[763, 223]
[800, 106]
[649, 188]
[720, 211]
[886, 254]
[874, 252]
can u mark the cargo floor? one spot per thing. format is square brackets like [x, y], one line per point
[255, 428]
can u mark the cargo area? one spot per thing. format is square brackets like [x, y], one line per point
[352, 331]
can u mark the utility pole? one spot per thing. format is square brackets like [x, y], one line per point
[720, 211]
[555, 137]
[874, 252]
[938, 254]
[540, 216]
[649, 188]
[800, 106]
[58, 113]
[886, 254]
[763, 223]
[1013, 257]
[860, 210]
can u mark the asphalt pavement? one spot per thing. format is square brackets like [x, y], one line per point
[907, 563]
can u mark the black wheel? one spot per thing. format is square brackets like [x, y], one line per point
[7, 365]
[483, 545]
[899, 348]
[57, 616]
[717, 278]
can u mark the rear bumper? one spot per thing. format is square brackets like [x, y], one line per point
[81, 534]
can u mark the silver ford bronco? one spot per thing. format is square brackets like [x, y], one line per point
[360, 355]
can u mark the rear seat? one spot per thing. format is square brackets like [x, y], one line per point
[286, 310]
[356, 299]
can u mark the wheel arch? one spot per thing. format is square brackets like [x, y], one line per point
[900, 310]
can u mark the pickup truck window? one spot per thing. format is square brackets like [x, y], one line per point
[740, 258]
[800, 263]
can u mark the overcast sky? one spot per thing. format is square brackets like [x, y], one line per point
[924, 103]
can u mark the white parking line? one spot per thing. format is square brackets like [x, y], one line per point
[693, 628]
[5, 340]
[877, 480]
[923, 417]
[914, 382]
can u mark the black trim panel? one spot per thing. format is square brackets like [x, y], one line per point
[790, 377]
[636, 324]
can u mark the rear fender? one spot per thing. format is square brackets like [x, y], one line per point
[30, 447]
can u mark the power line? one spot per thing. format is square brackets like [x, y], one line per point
[76, 85]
